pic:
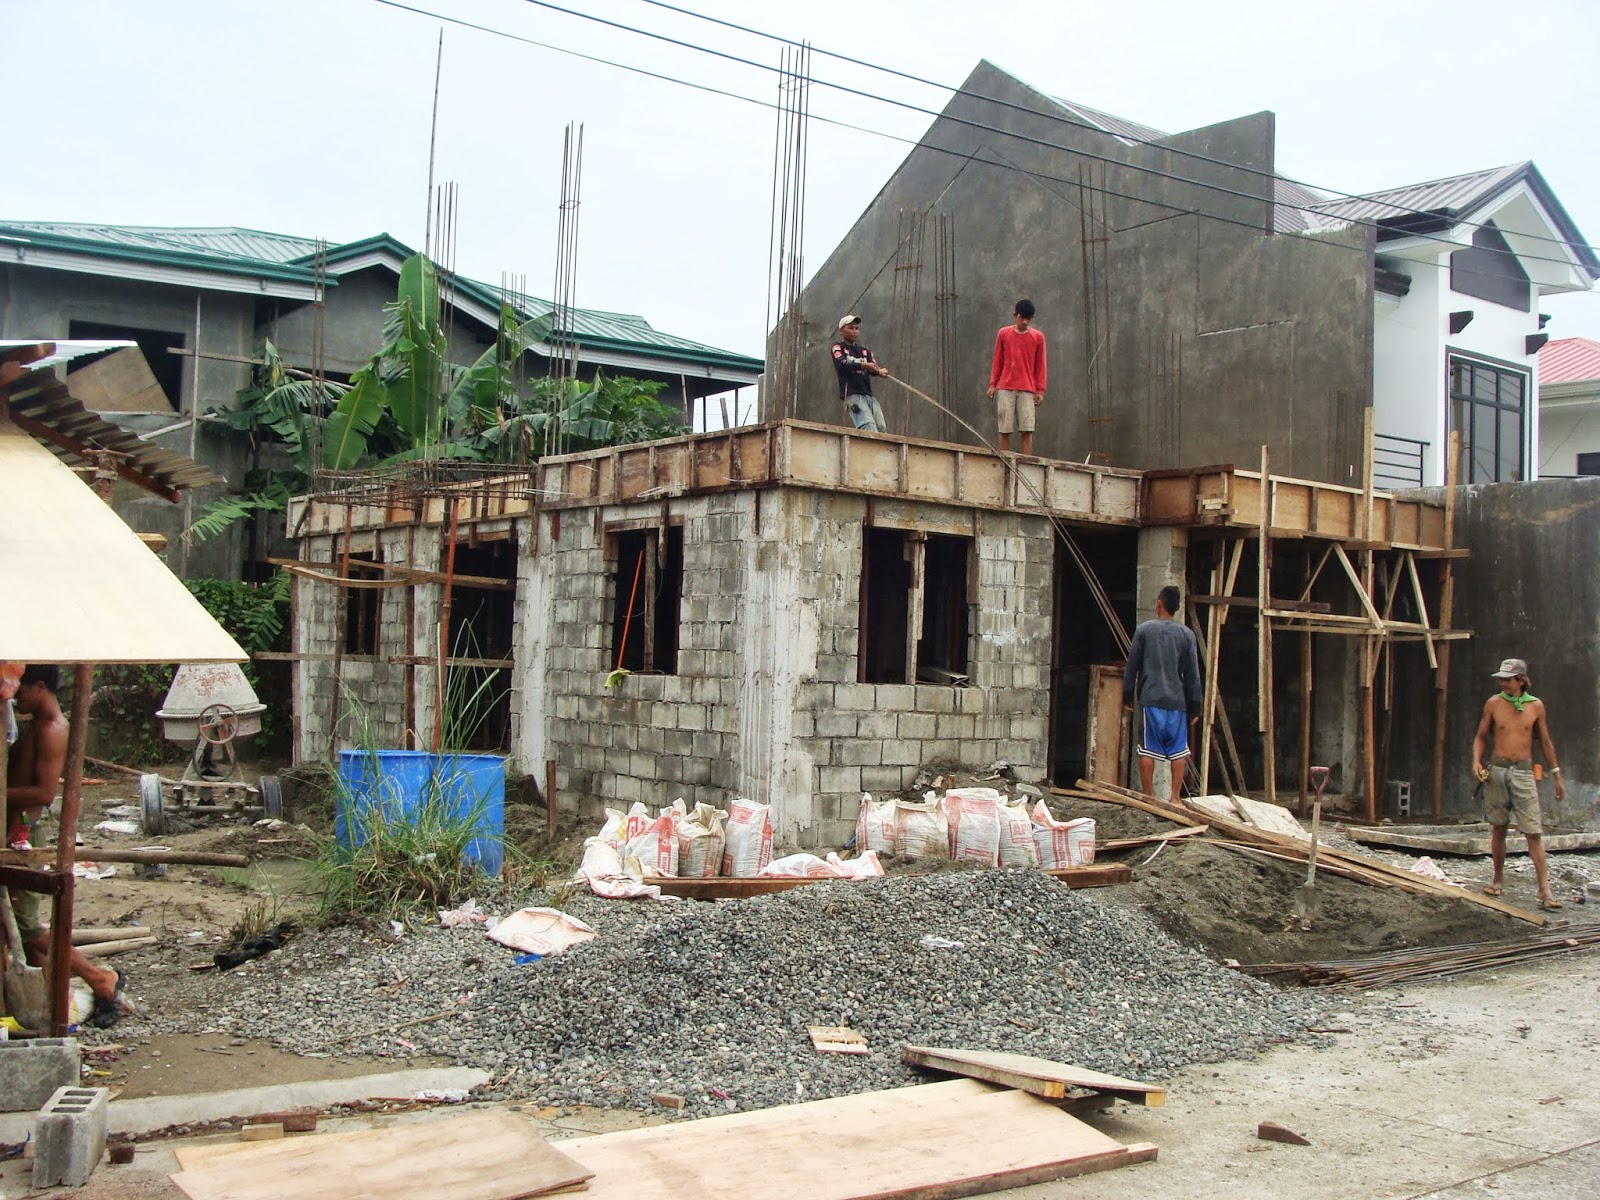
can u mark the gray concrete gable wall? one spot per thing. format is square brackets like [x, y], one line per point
[1197, 336]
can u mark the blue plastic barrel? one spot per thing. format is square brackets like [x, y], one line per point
[396, 782]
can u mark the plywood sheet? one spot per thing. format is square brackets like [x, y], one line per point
[85, 589]
[1217, 806]
[959, 1138]
[1274, 818]
[120, 382]
[1039, 1076]
[483, 1156]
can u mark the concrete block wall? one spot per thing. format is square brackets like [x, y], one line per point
[766, 702]
[370, 707]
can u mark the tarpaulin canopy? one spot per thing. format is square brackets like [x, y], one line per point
[79, 586]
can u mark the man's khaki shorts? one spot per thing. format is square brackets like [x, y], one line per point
[1510, 791]
[1013, 411]
[25, 907]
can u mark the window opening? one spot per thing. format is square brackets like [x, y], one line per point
[1588, 463]
[153, 343]
[362, 608]
[647, 599]
[916, 608]
[1488, 406]
[482, 620]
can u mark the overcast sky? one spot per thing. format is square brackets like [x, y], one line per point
[311, 117]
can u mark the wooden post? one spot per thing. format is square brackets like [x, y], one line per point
[342, 620]
[1209, 700]
[1441, 677]
[550, 797]
[66, 846]
[1305, 705]
[1368, 643]
[917, 544]
[1269, 757]
[444, 632]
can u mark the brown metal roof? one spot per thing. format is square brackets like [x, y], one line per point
[41, 405]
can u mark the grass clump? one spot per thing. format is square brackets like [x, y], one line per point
[390, 865]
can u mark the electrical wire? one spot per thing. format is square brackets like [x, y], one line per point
[1174, 210]
[993, 129]
[1159, 143]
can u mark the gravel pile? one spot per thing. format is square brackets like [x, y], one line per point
[711, 1001]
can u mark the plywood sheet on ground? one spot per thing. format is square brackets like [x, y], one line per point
[1274, 818]
[960, 1138]
[1040, 1076]
[1471, 840]
[484, 1156]
[1217, 806]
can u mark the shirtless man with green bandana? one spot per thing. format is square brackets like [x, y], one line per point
[1515, 716]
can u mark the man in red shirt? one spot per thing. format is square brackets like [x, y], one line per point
[1016, 378]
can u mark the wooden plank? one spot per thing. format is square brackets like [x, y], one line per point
[837, 1039]
[1094, 875]
[482, 1156]
[729, 888]
[1133, 843]
[1025, 1072]
[1104, 740]
[932, 1142]
[1470, 840]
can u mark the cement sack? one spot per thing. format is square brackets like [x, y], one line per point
[655, 849]
[972, 823]
[621, 828]
[862, 866]
[799, 866]
[749, 845]
[1062, 843]
[603, 870]
[701, 838]
[919, 829]
[1017, 847]
[875, 825]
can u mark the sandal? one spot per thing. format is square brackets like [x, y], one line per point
[108, 1011]
[1494, 889]
[1550, 904]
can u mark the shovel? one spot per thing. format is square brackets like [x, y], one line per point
[27, 991]
[1305, 896]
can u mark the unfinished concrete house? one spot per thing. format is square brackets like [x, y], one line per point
[797, 613]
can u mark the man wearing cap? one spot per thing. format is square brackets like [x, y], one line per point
[1515, 716]
[856, 366]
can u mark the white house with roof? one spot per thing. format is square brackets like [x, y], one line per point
[199, 302]
[1461, 265]
[1569, 407]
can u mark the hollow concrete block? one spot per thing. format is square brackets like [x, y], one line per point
[71, 1137]
[31, 1070]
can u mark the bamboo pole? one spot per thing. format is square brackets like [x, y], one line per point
[71, 801]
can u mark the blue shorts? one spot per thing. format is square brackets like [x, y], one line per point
[1165, 735]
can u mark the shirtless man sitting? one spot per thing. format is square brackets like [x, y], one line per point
[1514, 717]
[32, 777]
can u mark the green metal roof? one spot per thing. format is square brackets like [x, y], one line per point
[231, 250]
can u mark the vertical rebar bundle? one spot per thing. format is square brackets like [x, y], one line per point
[786, 242]
[1094, 235]
[905, 309]
[944, 303]
[563, 338]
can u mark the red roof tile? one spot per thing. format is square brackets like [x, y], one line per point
[1569, 359]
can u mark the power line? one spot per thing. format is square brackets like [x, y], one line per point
[1333, 193]
[1174, 210]
[979, 125]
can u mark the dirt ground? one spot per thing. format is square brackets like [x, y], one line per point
[1451, 1067]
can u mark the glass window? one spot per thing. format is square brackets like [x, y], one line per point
[1488, 406]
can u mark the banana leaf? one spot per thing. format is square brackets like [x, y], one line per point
[344, 438]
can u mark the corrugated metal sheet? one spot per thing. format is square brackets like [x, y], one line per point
[222, 241]
[42, 397]
[1454, 196]
[1569, 360]
[1119, 127]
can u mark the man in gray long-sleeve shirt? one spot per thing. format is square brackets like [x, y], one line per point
[1164, 669]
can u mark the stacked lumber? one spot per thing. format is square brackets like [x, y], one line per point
[1408, 966]
[1246, 838]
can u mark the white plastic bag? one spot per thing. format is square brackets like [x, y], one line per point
[656, 848]
[1017, 847]
[864, 866]
[875, 825]
[541, 931]
[749, 845]
[701, 838]
[1062, 843]
[603, 870]
[798, 866]
[972, 817]
[919, 829]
